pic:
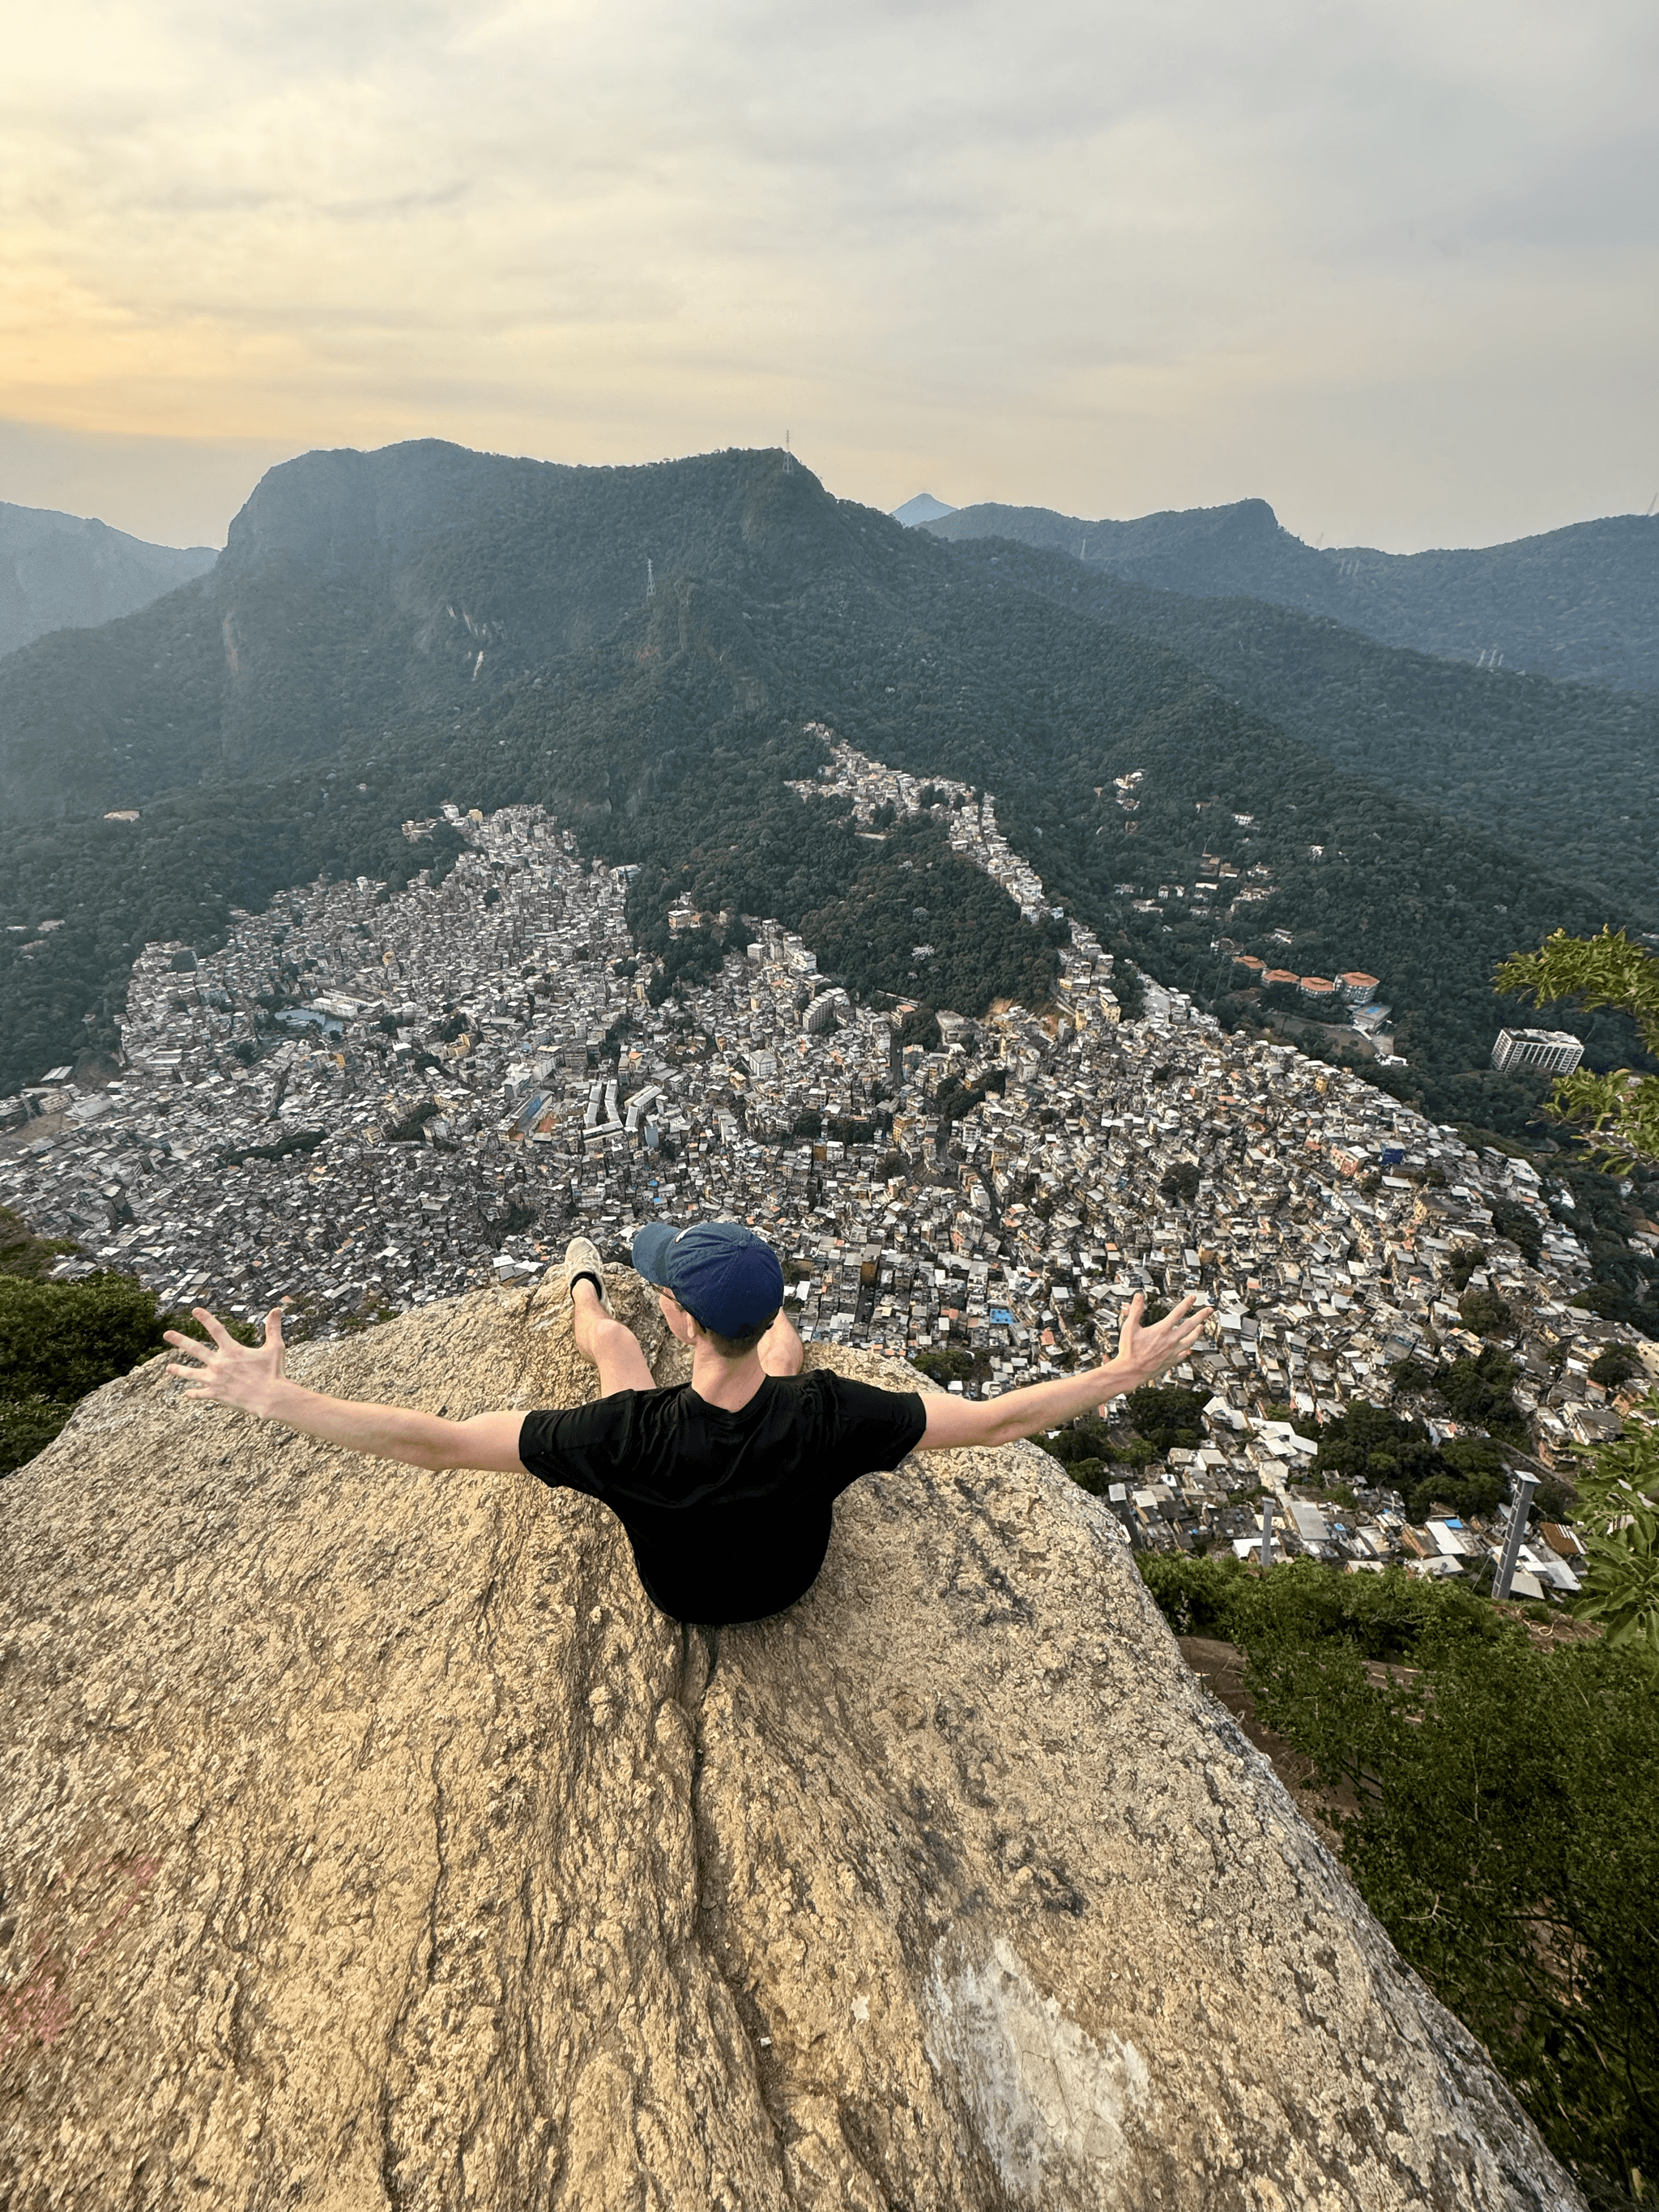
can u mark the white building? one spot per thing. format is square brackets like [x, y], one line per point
[1550, 1052]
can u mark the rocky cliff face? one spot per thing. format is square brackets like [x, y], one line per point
[368, 1841]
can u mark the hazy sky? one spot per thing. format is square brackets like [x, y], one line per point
[1390, 264]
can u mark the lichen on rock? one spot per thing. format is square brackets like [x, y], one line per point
[370, 1841]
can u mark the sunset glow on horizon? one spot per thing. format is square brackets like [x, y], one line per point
[1391, 267]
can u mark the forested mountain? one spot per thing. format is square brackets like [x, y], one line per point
[336, 697]
[60, 571]
[1565, 772]
[355, 590]
[1580, 604]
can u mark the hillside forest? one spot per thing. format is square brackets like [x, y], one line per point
[387, 630]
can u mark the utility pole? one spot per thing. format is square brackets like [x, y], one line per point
[1520, 1505]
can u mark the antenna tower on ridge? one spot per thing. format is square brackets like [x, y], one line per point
[650, 582]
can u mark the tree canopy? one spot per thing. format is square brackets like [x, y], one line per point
[1497, 1802]
[1621, 1108]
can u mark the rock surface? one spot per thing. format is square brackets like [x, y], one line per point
[369, 1841]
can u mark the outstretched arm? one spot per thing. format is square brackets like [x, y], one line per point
[1142, 1355]
[251, 1379]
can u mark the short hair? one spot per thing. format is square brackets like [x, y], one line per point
[736, 1347]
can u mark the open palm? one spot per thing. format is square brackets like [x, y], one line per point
[235, 1374]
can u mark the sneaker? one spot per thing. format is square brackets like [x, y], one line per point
[581, 1257]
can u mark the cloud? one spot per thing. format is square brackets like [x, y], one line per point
[1391, 265]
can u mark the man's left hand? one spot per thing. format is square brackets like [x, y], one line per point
[235, 1373]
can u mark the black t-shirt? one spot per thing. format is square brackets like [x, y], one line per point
[728, 1514]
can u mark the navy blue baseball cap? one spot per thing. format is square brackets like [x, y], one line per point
[723, 1274]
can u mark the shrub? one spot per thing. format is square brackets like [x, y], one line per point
[1483, 1313]
[1464, 1261]
[1504, 1839]
[1612, 1366]
[1197, 1596]
[1166, 1415]
[944, 1366]
[1505, 1820]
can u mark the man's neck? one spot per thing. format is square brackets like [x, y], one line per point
[727, 1383]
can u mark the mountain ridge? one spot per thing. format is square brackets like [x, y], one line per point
[1580, 603]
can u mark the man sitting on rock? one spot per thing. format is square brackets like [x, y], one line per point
[724, 1484]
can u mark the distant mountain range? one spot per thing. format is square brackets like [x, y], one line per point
[1580, 604]
[386, 630]
[60, 571]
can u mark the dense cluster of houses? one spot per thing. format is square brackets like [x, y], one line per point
[367, 1100]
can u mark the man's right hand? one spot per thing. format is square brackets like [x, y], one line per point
[1149, 1352]
[1143, 1354]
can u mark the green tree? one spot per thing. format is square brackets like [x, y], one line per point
[59, 1340]
[1464, 1261]
[1619, 1520]
[1501, 1818]
[1620, 1109]
[1520, 1227]
[1612, 1366]
[64, 1339]
[1166, 1415]
[1367, 1443]
[1086, 1443]
[1485, 1314]
[1479, 1391]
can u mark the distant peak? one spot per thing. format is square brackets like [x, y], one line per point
[924, 508]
